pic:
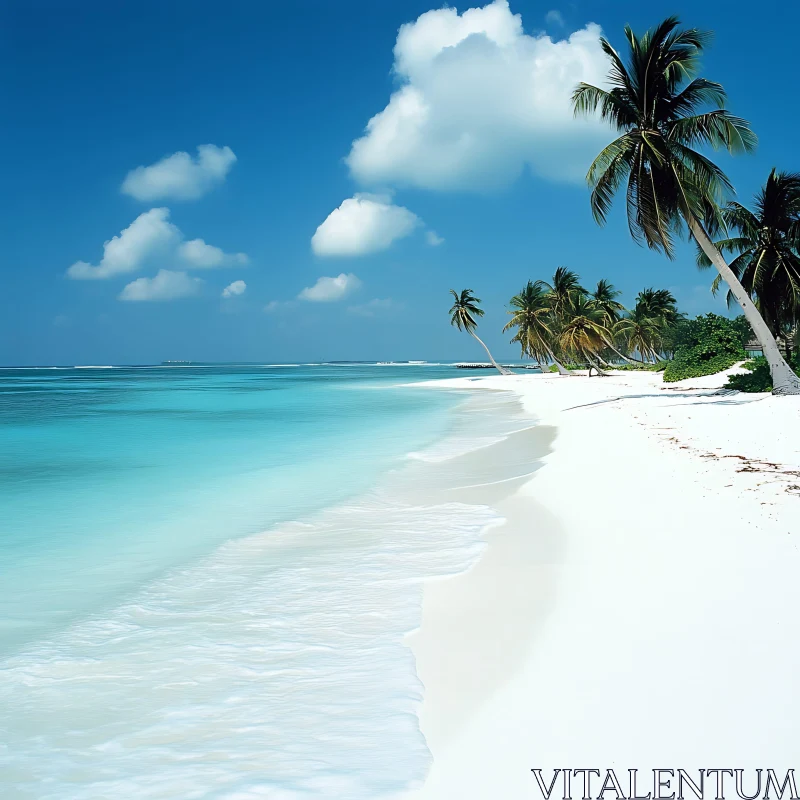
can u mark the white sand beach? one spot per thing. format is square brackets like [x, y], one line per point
[639, 606]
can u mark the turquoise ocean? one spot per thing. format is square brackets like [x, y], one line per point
[206, 575]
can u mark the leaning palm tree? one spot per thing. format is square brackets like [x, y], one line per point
[766, 250]
[669, 182]
[466, 307]
[530, 315]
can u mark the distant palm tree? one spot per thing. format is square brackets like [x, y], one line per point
[566, 284]
[766, 250]
[668, 181]
[659, 303]
[530, 310]
[605, 295]
[584, 332]
[639, 332]
[463, 316]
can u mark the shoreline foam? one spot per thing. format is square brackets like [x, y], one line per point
[276, 665]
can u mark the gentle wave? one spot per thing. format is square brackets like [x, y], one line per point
[276, 666]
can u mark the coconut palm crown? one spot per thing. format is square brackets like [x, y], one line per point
[766, 247]
[658, 106]
[661, 121]
[605, 295]
[466, 307]
[463, 315]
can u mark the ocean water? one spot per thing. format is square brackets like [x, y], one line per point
[207, 574]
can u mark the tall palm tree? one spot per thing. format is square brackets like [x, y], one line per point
[669, 183]
[565, 284]
[466, 307]
[584, 332]
[766, 250]
[530, 310]
[650, 324]
[559, 294]
[639, 332]
[605, 295]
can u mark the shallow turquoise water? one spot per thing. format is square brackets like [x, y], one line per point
[207, 575]
[110, 476]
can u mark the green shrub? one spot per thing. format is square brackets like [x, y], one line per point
[706, 345]
[658, 367]
[757, 379]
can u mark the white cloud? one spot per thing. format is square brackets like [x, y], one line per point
[433, 238]
[234, 289]
[272, 306]
[363, 224]
[554, 17]
[152, 240]
[199, 255]
[166, 285]
[328, 290]
[180, 176]
[479, 101]
[150, 235]
[373, 307]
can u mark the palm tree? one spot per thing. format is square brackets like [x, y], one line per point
[659, 304]
[466, 307]
[670, 183]
[530, 310]
[565, 284]
[766, 250]
[605, 295]
[639, 332]
[559, 294]
[584, 333]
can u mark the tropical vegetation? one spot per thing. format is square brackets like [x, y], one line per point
[666, 118]
[563, 323]
[706, 345]
[464, 315]
[766, 246]
[661, 110]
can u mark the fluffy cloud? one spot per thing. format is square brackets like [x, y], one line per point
[328, 290]
[180, 176]
[433, 238]
[166, 285]
[234, 289]
[150, 235]
[479, 100]
[363, 224]
[199, 255]
[150, 240]
[373, 307]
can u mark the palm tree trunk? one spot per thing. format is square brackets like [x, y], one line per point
[592, 364]
[501, 370]
[559, 365]
[784, 381]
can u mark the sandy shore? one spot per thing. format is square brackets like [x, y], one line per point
[639, 606]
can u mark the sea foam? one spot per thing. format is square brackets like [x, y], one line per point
[274, 667]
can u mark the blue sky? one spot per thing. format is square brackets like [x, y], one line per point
[430, 199]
